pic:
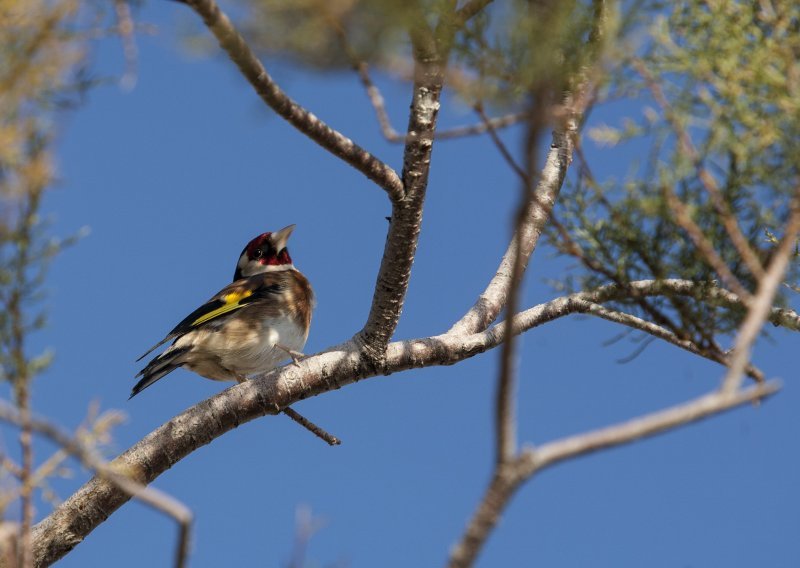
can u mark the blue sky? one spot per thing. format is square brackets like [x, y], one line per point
[174, 177]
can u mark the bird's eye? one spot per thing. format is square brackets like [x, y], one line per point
[258, 253]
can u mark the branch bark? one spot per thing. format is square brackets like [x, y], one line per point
[430, 60]
[73, 520]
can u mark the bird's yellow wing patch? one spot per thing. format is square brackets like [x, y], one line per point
[229, 302]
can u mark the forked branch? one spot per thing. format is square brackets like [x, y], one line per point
[508, 478]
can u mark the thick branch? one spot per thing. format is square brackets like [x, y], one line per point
[71, 522]
[406, 220]
[240, 53]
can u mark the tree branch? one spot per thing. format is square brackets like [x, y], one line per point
[406, 220]
[240, 53]
[493, 298]
[509, 477]
[505, 398]
[339, 366]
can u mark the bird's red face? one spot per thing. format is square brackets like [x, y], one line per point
[265, 253]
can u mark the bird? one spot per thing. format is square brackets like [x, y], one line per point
[250, 326]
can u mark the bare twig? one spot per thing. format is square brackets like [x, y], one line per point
[240, 53]
[647, 425]
[305, 422]
[659, 332]
[148, 495]
[310, 426]
[510, 476]
[486, 122]
[762, 303]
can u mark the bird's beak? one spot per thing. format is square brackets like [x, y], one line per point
[279, 238]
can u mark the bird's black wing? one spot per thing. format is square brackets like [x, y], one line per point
[231, 298]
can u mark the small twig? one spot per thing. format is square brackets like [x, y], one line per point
[486, 122]
[644, 426]
[11, 466]
[148, 495]
[311, 427]
[304, 422]
[659, 332]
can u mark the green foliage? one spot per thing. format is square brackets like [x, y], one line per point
[719, 87]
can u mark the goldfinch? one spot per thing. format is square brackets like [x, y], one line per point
[248, 327]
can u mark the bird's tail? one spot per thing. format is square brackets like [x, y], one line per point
[162, 365]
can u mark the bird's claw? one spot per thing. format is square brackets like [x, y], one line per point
[295, 355]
